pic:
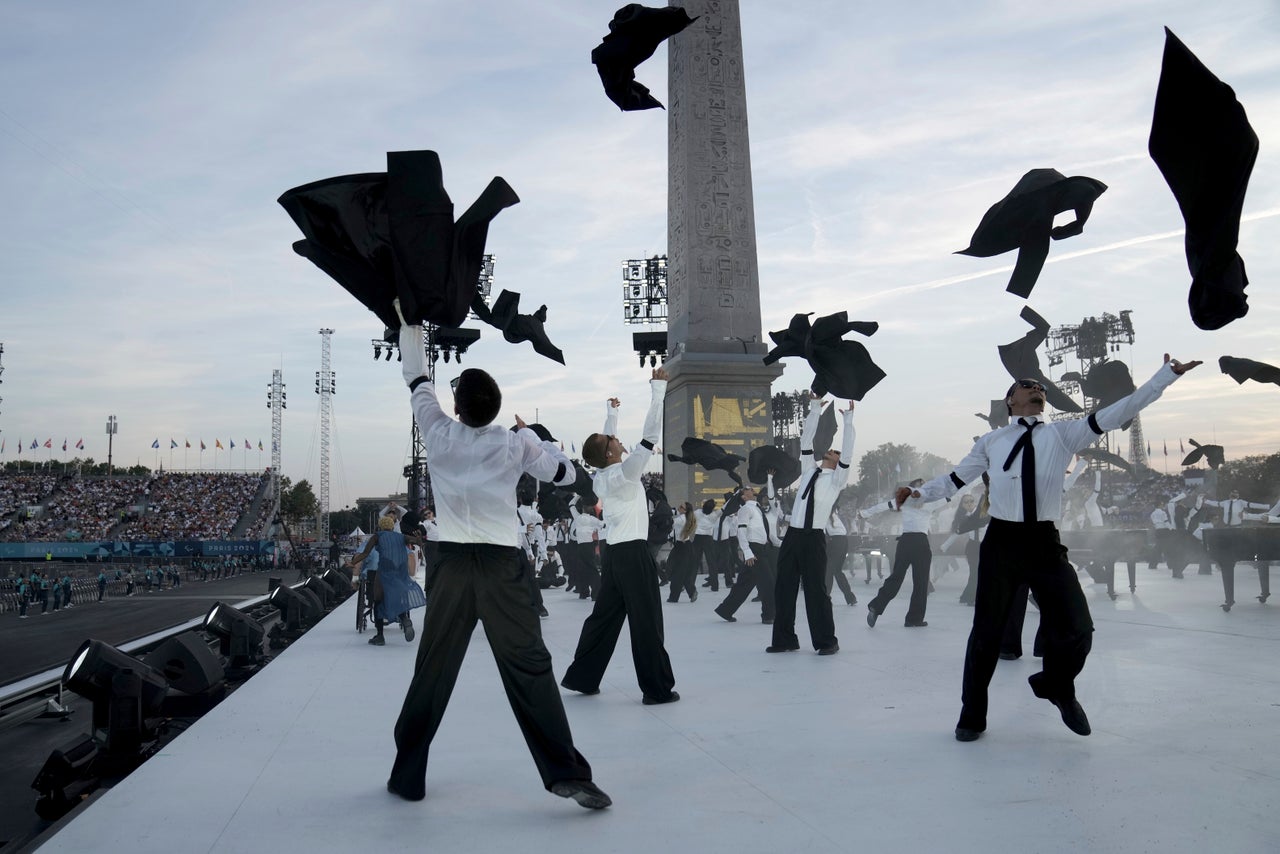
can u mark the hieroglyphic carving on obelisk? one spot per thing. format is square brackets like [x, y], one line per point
[720, 389]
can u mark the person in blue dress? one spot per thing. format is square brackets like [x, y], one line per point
[400, 593]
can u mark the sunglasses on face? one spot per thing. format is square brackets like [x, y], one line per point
[1030, 384]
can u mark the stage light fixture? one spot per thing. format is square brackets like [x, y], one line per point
[338, 581]
[377, 352]
[124, 691]
[299, 609]
[239, 635]
[322, 591]
[66, 778]
[388, 359]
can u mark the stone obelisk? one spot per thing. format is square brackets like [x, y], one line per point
[719, 389]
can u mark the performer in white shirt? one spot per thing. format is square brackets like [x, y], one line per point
[804, 548]
[1021, 546]
[475, 465]
[913, 551]
[758, 561]
[629, 576]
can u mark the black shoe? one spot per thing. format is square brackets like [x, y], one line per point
[829, 650]
[417, 793]
[755, 598]
[672, 600]
[377, 640]
[407, 626]
[726, 617]
[693, 595]
[851, 599]
[582, 691]
[585, 792]
[654, 701]
[1010, 656]
[786, 647]
[768, 621]
[872, 616]
[542, 611]
[964, 734]
[1073, 715]
[920, 624]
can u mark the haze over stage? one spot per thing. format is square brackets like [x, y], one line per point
[791, 752]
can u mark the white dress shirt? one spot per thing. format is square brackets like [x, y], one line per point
[1160, 520]
[827, 483]
[751, 529]
[585, 526]
[474, 471]
[626, 510]
[1234, 509]
[706, 522]
[917, 514]
[1055, 443]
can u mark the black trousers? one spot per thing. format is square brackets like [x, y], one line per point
[762, 576]
[703, 544]
[430, 556]
[914, 552]
[803, 556]
[837, 549]
[681, 570]
[971, 583]
[1015, 553]
[486, 583]
[628, 592]
[588, 581]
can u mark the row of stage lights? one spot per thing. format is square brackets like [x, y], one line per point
[135, 700]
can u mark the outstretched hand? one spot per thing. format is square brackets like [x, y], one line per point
[614, 402]
[660, 374]
[1181, 368]
[901, 495]
[520, 425]
[850, 409]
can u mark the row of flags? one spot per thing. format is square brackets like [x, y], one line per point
[79, 445]
[217, 444]
[35, 443]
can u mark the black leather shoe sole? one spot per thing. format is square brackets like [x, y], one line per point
[409, 795]
[784, 648]
[654, 701]
[1073, 716]
[829, 650]
[584, 792]
[963, 734]
[919, 625]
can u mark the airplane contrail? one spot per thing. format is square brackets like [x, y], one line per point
[1053, 259]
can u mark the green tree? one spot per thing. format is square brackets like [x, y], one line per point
[1257, 478]
[297, 502]
[888, 466]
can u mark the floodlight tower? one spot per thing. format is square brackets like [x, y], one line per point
[644, 301]
[326, 387]
[1092, 341]
[277, 402]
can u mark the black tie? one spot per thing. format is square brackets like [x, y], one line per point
[1028, 449]
[764, 517]
[808, 494]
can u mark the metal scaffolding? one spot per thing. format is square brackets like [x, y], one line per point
[326, 387]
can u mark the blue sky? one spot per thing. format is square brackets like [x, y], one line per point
[148, 274]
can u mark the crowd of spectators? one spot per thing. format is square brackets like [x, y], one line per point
[203, 506]
[18, 492]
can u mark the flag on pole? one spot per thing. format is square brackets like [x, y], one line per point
[48, 443]
[80, 444]
[35, 443]
[233, 443]
[172, 444]
[2, 441]
[19, 447]
[1181, 449]
[202, 444]
[1166, 447]
[248, 444]
[188, 441]
[1148, 449]
[64, 446]
[259, 444]
[156, 443]
[217, 444]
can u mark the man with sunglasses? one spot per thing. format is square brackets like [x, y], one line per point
[1026, 461]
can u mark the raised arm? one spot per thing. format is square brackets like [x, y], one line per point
[611, 416]
[846, 447]
[634, 464]
[810, 429]
[1081, 433]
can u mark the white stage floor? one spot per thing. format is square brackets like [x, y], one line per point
[763, 753]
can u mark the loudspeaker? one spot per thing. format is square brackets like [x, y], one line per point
[188, 663]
